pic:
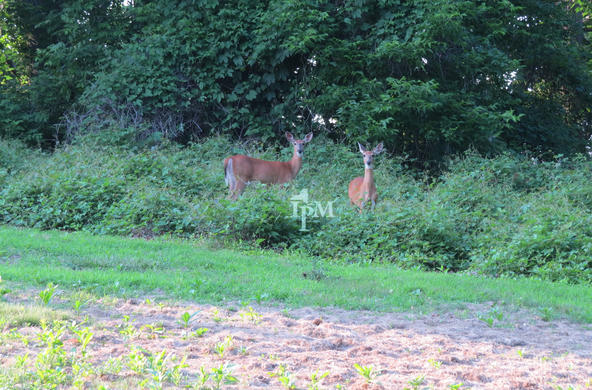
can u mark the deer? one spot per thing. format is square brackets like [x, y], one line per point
[362, 189]
[240, 170]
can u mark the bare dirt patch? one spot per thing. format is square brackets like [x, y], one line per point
[517, 352]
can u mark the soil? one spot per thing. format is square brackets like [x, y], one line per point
[513, 351]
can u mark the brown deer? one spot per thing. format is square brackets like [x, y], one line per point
[362, 189]
[240, 170]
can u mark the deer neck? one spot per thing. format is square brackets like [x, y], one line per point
[295, 163]
[368, 177]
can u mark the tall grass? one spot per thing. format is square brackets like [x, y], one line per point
[509, 215]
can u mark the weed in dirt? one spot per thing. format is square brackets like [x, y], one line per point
[415, 383]
[199, 332]
[160, 367]
[223, 375]
[4, 290]
[127, 328]
[216, 315]
[284, 377]
[84, 336]
[223, 346]
[546, 313]
[46, 294]
[163, 367]
[316, 379]
[186, 318]
[77, 305]
[435, 363]
[457, 386]
[153, 330]
[112, 366]
[251, 315]
[259, 297]
[204, 376]
[493, 314]
[136, 360]
[367, 372]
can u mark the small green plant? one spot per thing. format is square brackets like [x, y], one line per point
[435, 363]
[136, 360]
[153, 330]
[520, 353]
[84, 336]
[77, 305]
[367, 372]
[199, 332]
[47, 294]
[4, 291]
[223, 346]
[223, 375]
[316, 379]
[21, 363]
[455, 386]
[112, 366]
[416, 382]
[204, 377]
[493, 314]
[157, 367]
[175, 373]
[251, 314]
[546, 313]
[127, 328]
[185, 318]
[284, 377]
[216, 315]
[259, 297]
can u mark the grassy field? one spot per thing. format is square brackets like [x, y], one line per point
[179, 269]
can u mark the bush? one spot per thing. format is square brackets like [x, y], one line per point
[509, 215]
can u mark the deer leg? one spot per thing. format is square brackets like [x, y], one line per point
[238, 189]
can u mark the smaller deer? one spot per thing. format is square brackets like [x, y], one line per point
[239, 170]
[362, 189]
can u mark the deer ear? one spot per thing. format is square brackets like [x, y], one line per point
[308, 137]
[289, 136]
[362, 148]
[379, 148]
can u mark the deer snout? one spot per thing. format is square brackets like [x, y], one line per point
[300, 149]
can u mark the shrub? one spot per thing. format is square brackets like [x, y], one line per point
[509, 215]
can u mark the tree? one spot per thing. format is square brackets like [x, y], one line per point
[428, 78]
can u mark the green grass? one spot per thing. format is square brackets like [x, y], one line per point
[16, 315]
[183, 270]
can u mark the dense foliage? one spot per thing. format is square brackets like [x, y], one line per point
[429, 78]
[508, 215]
